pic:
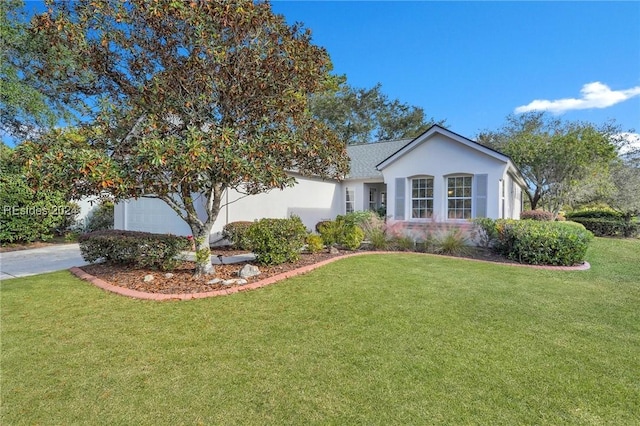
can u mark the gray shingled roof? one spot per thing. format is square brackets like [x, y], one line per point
[364, 157]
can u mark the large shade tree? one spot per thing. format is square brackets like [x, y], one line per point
[184, 101]
[624, 195]
[556, 158]
[360, 115]
[23, 108]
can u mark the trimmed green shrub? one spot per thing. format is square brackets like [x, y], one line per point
[484, 231]
[100, 218]
[320, 224]
[540, 215]
[352, 237]
[609, 227]
[542, 243]
[594, 214]
[359, 218]
[314, 243]
[236, 233]
[330, 231]
[140, 249]
[276, 241]
[27, 216]
[345, 230]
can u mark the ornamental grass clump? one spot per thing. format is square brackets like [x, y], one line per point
[452, 242]
[543, 243]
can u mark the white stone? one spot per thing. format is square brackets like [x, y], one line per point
[215, 281]
[248, 271]
[148, 278]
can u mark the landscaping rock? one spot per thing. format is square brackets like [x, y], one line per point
[168, 275]
[215, 281]
[248, 271]
[334, 250]
[232, 281]
[148, 278]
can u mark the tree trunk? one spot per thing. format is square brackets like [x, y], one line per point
[203, 254]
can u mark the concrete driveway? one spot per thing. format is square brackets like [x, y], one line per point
[23, 263]
[52, 258]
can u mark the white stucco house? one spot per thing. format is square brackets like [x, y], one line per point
[439, 176]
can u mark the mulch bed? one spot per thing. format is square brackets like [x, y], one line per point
[181, 279]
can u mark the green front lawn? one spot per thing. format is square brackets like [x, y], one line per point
[381, 339]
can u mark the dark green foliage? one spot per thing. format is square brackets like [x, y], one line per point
[330, 231]
[484, 231]
[345, 230]
[540, 215]
[320, 224]
[276, 241]
[100, 218]
[359, 115]
[236, 233]
[606, 222]
[27, 216]
[608, 227]
[352, 237]
[141, 249]
[543, 243]
[595, 214]
[314, 243]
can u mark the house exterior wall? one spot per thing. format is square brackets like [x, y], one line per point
[440, 157]
[311, 199]
[513, 197]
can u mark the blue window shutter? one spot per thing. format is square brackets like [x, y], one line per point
[399, 210]
[480, 194]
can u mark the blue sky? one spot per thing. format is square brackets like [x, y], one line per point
[473, 63]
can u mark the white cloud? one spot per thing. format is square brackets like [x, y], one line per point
[594, 95]
[631, 142]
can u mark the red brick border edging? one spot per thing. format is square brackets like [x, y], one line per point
[268, 281]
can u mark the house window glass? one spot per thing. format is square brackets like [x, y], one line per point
[459, 197]
[373, 199]
[349, 198]
[421, 198]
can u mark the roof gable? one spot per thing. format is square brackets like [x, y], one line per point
[428, 134]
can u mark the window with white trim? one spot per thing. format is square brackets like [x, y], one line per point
[459, 196]
[421, 198]
[349, 200]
